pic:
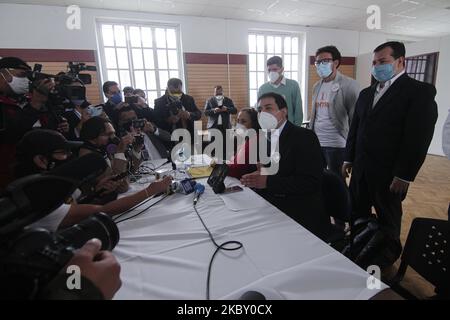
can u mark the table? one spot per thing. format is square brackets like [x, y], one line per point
[165, 252]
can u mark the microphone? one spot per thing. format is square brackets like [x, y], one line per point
[198, 190]
[111, 148]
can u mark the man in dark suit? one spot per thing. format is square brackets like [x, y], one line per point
[112, 92]
[156, 140]
[218, 109]
[296, 188]
[387, 144]
[176, 110]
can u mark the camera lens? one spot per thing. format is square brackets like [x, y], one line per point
[99, 225]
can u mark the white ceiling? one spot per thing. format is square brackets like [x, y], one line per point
[419, 18]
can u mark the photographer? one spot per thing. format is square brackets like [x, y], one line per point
[175, 109]
[112, 92]
[17, 115]
[155, 139]
[99, 136]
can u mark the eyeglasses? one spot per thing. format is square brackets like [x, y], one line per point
[323, 61]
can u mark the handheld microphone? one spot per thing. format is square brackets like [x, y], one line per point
[199, 189]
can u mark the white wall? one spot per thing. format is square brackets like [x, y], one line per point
[441, 45]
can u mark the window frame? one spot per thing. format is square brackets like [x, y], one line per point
[146, 24]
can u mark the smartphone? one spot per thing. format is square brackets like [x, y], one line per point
[233, 189]
[132, 99]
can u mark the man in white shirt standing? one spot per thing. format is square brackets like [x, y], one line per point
[391, 131]
[333, 104]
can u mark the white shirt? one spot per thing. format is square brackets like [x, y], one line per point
[323, 126]
[151, 149]
[283, 82]
[275, 137]
[381, 91]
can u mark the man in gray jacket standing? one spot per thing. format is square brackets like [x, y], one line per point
[333, 104]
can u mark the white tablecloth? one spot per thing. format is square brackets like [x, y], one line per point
[165, 252]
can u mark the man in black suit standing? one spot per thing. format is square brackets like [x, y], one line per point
[176, 110]
[387, 144]
[297, 186]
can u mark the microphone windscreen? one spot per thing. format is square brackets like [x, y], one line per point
[111, 148]
[81, 170]
[199, 188]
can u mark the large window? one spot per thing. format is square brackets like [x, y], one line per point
[261, 48]
[141, 56]
[423, 68]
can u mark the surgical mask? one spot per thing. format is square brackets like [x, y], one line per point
[267, 121]
[240, 129]
[18, 85]
[219, 100]
[324, 70]
[116, 98]
[273, 76]
[383, 72]
[176, 96]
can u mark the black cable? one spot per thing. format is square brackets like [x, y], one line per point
[222, 246]
[142, 211]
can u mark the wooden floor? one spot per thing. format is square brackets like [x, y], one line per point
[428, 196]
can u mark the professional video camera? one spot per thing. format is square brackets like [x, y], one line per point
[65, 90]
[30, 258]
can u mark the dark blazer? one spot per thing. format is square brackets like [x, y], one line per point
[392, 139]
[211, 104]
[297, 187]
[162, 113]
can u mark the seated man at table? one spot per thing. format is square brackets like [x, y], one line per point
[296, 188]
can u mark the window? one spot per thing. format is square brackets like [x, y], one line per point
[261, 48]
[141, 56]
[423, 68]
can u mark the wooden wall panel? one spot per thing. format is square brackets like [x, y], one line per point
[347, 67]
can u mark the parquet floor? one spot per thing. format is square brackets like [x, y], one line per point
[428, 196]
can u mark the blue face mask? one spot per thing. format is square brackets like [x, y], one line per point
[383, 72]
[116, 98]
[324, 70]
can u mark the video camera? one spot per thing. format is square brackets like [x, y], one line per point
[65, 92]
[30, 258]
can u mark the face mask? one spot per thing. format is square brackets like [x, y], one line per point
[324, 70]
[383, 72]
[219, 97]
[116, 98]
[18, 85]
[240, 129]
[273, 76]
[267, 121]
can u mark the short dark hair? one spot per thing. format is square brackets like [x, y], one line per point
[275, 60]
[279, 100]
[218, 87]
[107, 85]
[335, 54]
[93, 128]
[174, 83]
[253, 114]
[125, 109]
[398, 48]
[137, 91]
[128, 89]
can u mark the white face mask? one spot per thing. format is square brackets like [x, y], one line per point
[241, 130]
[273, 76]
[18, 85]
[219, 100]
[267, 121]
